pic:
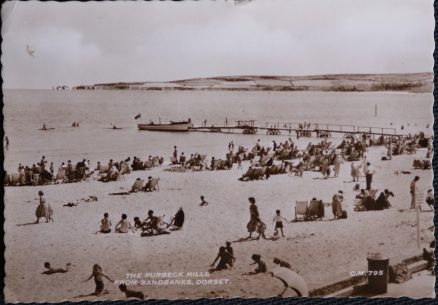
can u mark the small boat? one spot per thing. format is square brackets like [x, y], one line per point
[173, 126]
[46, 129]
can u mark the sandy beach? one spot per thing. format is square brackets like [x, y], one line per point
[321, 251]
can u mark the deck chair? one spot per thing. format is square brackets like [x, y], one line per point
[60, 176]
[152, 185]
[154, 227]
[15, 179]
[247, 175]
[138, 184]
[177, 221]
[257, 173]
[316, 209]
[103, 169]
[301, 209]
[148, 164]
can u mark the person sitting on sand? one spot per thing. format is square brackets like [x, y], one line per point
[148, 186]
[203, 202]
[105, 224]
[261, 265]
[155, 223]
[131, 293]
[123, 225]
[98, 280]
[51, 270]
[225, 260]
[138, 224]
[230, 250]
[382, 201]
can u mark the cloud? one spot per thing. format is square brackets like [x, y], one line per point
[92, 42]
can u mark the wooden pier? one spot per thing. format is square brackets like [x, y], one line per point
[301, 129]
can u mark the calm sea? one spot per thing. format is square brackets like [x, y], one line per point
[26, 110]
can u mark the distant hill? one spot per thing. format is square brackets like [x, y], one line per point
[410, 82]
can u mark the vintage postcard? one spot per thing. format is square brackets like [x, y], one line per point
[206, 149]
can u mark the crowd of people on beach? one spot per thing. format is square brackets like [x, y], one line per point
[277, 158]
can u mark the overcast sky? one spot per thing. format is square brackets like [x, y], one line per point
[91, 42]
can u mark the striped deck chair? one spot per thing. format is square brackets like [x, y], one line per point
[60, 176]
[301, 209]
[15, 179]
[103, 169]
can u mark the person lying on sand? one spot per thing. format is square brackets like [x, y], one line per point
[98, 279]
[282, 263]
[131, 293]
[70, 204]
[51, 270]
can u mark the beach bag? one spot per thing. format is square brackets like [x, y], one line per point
[344, 214]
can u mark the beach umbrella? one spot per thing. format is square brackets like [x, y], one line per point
[291, 280]
[137, 116]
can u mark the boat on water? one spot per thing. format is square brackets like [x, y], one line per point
[172, 126]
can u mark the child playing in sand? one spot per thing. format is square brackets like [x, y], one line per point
[105, 224]
[51, 270]
[123, 225]
[98, 279]
[261, 266]
[278, 219]
[203, 202]
[261, 228]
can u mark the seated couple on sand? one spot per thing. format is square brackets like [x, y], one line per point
[123, 226]
[151, 225]
[365, 200]
[150, 186]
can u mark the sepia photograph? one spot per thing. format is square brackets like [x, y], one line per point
[218, 149]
